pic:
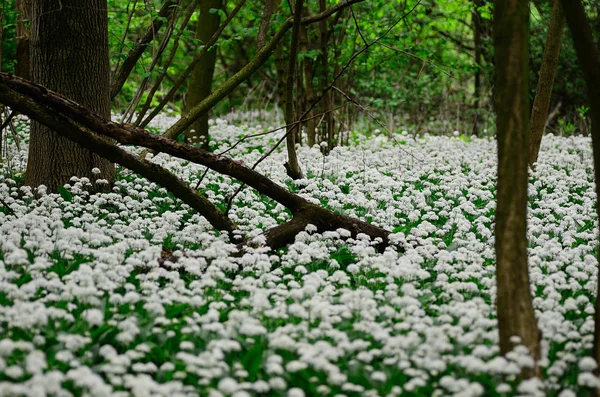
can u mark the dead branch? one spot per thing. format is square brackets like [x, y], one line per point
[79, 124]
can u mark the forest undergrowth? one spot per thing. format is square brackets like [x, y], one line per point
[129, 292]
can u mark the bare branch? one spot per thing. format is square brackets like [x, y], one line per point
[136, 52]
[207, 46]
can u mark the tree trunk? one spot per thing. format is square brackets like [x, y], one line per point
[307, 68]
[265, 22]
[543, 92]
[292, 166]
[589, 62]
[69, 55]
[477, 39]
[326, 129]
[201, 81]
[23, 38]
[514, 304]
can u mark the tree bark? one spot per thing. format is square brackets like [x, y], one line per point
[588, 57]
[23, 38]
[477, 39]
[543, 92]
[202, 76]
[69, 54]
[265, 22]
[514, 303]
[292, 166]
[307, 66]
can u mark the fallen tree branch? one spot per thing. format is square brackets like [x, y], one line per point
[87, 139]
[81, 125]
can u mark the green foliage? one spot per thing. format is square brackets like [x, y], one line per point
[424, 66]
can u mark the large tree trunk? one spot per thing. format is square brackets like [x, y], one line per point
[589, 61]
[514, 304]
[541, 103]
[202, 76]
[23, 37]
[69, 54]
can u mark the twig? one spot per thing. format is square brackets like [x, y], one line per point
[389, 47]
[7, 207]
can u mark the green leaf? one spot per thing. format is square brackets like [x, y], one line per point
[65, 194]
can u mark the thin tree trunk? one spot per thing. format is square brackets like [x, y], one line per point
[301, 105]
[326, 128]
[292, 166]
[279, 55]
[514, 303]
[589, 62]
[201, 81]
[23, 38]
[265, 22]
[307, 67]
[477, 39]
[543, 92]
[69, 55]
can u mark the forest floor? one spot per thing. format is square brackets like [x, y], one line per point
[129, 292]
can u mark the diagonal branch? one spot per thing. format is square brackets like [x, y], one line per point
[135, 53]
